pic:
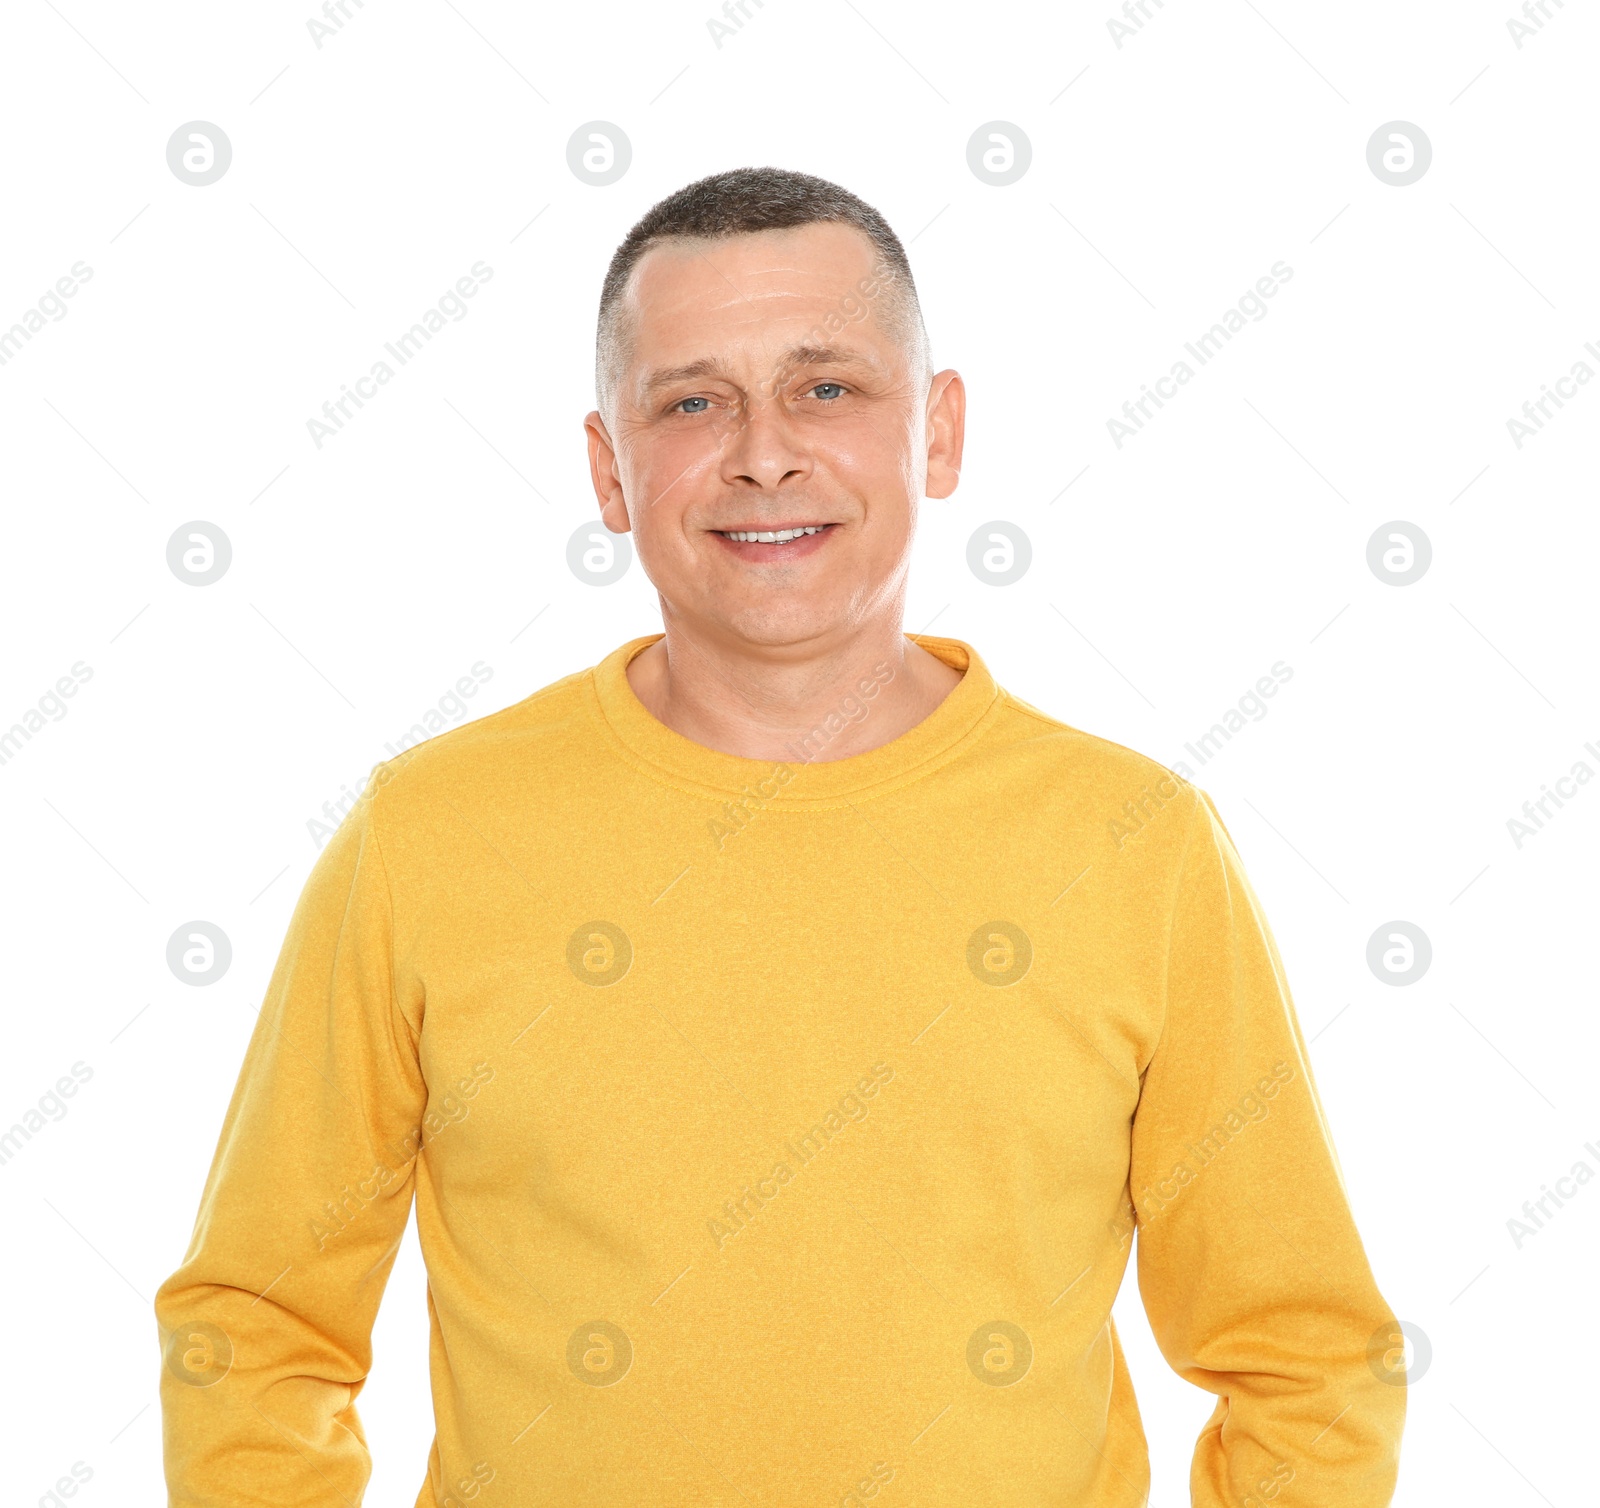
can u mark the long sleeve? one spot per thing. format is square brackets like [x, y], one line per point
[1253, 1275]
[266, 1327]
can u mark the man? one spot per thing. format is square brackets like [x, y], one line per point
[782, 1028]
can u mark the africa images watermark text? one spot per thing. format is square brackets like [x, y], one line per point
[336, 412]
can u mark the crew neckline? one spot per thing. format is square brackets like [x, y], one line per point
[665, 754]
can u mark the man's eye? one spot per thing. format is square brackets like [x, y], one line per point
[682, 403]
[827, 391]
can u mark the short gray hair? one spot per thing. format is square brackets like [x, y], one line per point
[743, 201]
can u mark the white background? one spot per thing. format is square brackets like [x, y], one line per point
[367, 575]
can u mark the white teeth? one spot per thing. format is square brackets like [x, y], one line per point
[771, 536]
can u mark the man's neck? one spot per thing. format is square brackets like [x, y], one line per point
[758, 702]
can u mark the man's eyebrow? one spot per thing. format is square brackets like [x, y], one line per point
[818, 356]
[705, 366]
[795, 356]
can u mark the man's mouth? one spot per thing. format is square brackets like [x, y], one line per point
[772, 536]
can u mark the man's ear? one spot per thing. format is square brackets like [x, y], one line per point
[603, 473]
[947, 432]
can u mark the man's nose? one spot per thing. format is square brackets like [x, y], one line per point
[764, 448]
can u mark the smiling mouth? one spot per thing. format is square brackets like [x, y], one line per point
[772, 536]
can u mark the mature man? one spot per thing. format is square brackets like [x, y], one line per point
[782, 1028]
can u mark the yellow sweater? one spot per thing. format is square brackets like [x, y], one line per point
[776, 1132]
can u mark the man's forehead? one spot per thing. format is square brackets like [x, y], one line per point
[747, 281]
[724, 267]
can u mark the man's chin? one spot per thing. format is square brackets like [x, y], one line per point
[772, 625]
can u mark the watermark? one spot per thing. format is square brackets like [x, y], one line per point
[66, 1487]
[450, 708]
[853, 307]
[1399, 1354]
[1399, 553]
[1399, 953]
[1142, 810]
[1537, 1213]
[999, 153]
[51, 1106]
[337, 1215]
[1135, 14]
[1536, 411]
[199, 953]
[1249, 308]
[1399, 153]
[1535, 15]
[851, 709]
[999, 553]
[599, 153]
[451, 705]
[999, 953]
[735, 14]
[379, 776]
[199, 553]
[1251, 707]
[596, 556]
[879, 1475]
[336, 412]
[738, 814]
[199, 153]
[336, 12]
[52, 706]
[852, 1107]
[999, 1353]
[1268, 1488]
[199, 1354]
[1251, 1109]
[333, 813]
[1537, 810]
[467, 1488]
[336, 811]
[1124, 1223]
[599, 1353]
[599, 953]
[51, 306]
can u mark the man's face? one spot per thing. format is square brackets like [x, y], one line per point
[761, 386]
